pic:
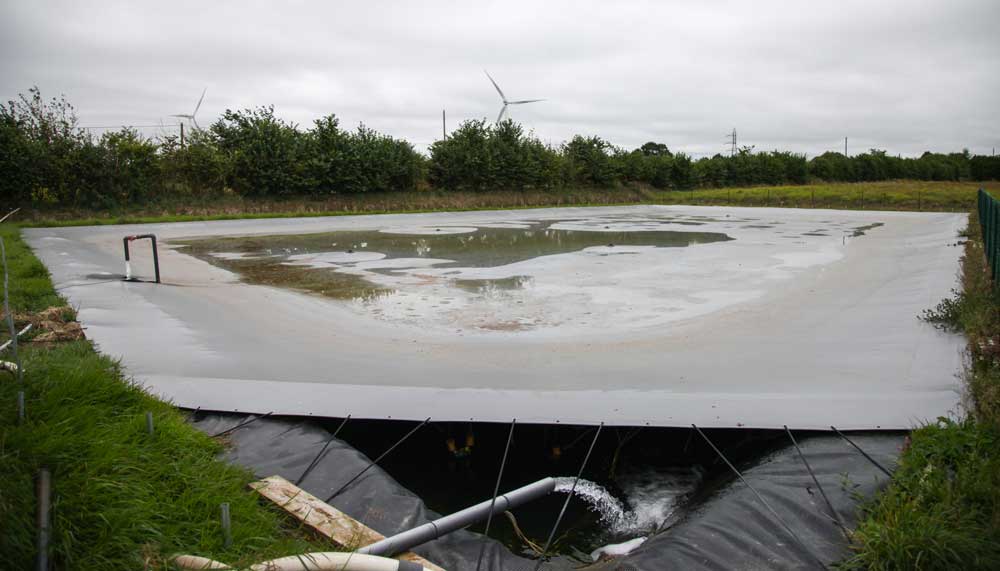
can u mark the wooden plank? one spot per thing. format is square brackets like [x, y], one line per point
[324, 518]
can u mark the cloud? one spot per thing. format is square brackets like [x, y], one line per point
[903, 76]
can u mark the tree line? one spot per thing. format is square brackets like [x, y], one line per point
[47, 160]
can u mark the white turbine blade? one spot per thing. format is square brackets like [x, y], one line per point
[502, 96]
[200, 99]
[195, 121]
[502, 111]
[524, 101]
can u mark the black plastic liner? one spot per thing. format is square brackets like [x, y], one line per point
[732, 530]
[729, 529]
[284, 447]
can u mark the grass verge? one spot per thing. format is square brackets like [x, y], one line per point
[122, 499]
[892, 195]
[942, 509]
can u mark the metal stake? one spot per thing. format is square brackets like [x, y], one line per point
[44, 522]
[149, 422]
[496, 491]
[227, 526]
[569, 496]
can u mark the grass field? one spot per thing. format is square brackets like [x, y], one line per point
[893, 195]
[122, 499]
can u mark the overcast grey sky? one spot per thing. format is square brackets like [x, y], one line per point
[905, 76]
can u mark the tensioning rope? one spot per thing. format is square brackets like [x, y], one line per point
[761, 498]
[863, 453]
[242, 424]
[319, 456]
[829, 504]
[496, 491]
[569, 496]
[383, 455]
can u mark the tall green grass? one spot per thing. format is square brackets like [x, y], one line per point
[122, 499]
[30, 287]
[942, 509]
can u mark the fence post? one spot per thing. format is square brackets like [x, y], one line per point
[994, 227]
[989, 225]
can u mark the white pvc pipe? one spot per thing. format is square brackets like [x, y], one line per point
[128, 270]
[333, 561]
[324, 561]
[8, 343]
[196, 562]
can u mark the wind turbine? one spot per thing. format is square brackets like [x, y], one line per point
[503, 110]
[190, 117]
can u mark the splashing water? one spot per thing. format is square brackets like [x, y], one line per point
[652, 498]
[610, 508]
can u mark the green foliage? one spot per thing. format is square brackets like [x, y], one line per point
[122, 499]
[266, 153]
[654, 149]
[50, 163]
[589, 162]
[480, 156]
[942, 510]
[384, 164]
[39, 141]
[130, 164]
[363, 161]
[30, 288]
[198, 167]
[984, 168]
[947, 314]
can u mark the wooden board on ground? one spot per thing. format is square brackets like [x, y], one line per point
[324, 518]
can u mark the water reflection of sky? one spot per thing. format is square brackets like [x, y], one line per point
[413, 274]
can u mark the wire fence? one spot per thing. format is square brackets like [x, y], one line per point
[989, 223]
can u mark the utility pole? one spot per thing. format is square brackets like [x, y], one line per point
[845, 146]
[732, 143]
[444, 128]
[182, 134]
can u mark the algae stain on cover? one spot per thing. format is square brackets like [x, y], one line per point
[334, 264]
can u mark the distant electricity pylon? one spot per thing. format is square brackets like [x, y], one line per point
[732, 143]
